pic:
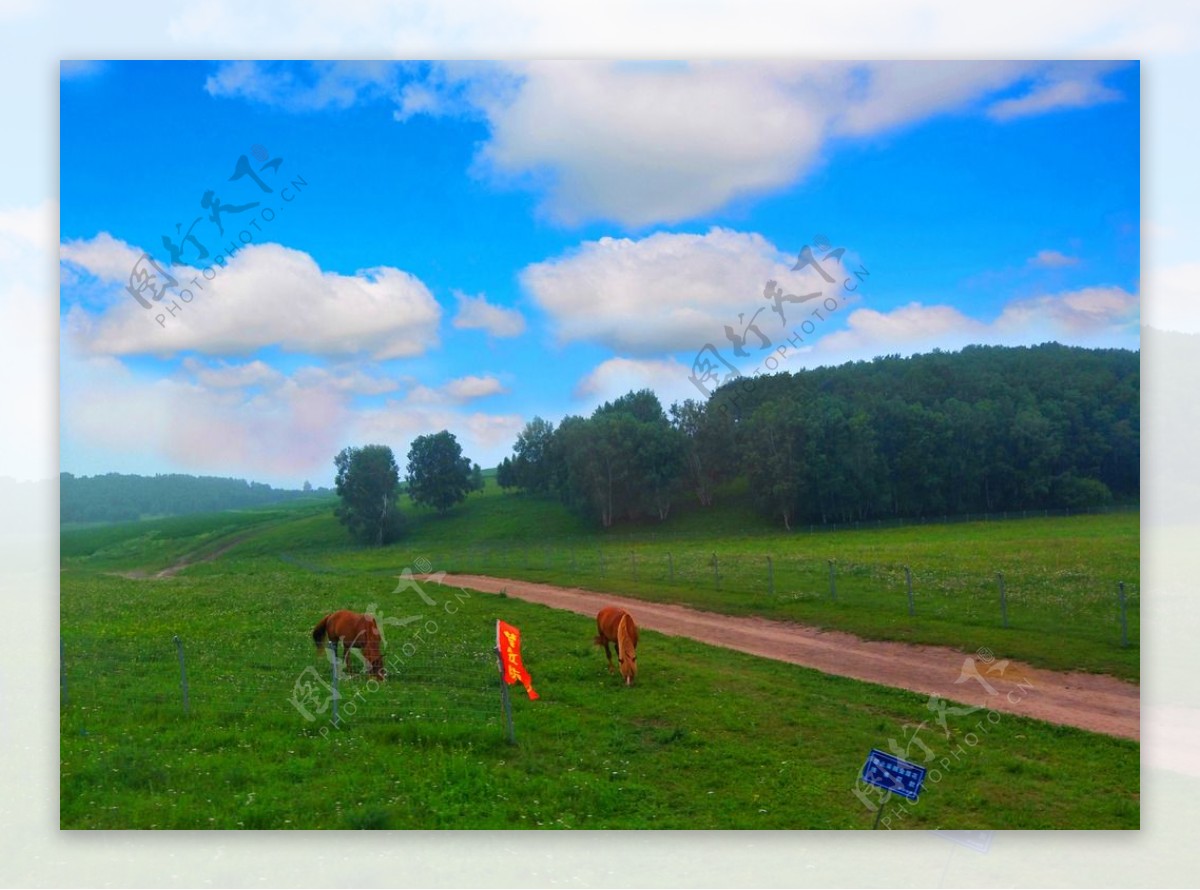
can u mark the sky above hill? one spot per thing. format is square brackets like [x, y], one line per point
[262, 263]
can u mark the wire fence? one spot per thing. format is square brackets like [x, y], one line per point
[439, 687]
[1072, 600]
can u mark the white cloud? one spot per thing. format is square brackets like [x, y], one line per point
[646, 143]
[1070, 86]
[1052, 259]
[485, 438]
[206, 420]
[1084, 313]
[1096, 316]
[312, 87]
[641, 143]
[457, 391]
[223, 375]
[249, 419]
[476, 313]
[881, 95]
[351, 380]
[267, 295]
[666, 292]
[468, 388]
[617, 376]
[911, 328]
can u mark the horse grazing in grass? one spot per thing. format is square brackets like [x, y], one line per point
[352, 630]
[617, 626]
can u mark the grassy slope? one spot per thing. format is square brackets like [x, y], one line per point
[1061, 575]
[708, 739]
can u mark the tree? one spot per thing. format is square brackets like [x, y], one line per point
[438, 474]
[368, 482]
[624, 461]
[532, 455]
[476, 477]
[709, 453]
[773, 444]
[506, 475]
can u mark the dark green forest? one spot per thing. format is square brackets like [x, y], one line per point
[989, 428]
[115, 497]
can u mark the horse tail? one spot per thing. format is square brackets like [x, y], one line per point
[318, 634]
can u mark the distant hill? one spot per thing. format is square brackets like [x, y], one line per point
[114, 497]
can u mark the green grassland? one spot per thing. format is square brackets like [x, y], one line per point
[1061, 575]
[707, 739]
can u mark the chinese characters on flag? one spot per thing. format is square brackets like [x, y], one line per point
[508, 642]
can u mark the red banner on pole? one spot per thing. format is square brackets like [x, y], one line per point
[508, 642]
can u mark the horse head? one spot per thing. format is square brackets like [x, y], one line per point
[371, 651]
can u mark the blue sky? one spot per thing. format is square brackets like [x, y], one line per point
[467, 245]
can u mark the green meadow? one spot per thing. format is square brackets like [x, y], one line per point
[708, 738]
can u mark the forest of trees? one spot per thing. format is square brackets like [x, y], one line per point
[115, 497]
[989, 428]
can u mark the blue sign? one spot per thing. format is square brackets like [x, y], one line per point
[896, 775]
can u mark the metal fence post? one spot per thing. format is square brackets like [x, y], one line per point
[182, 674]
[1124, 626]
[505, 703]
[832, 582]
[333, 666]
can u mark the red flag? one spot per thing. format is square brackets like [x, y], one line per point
[508, 642]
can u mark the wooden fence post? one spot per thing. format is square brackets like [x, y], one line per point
[1003, 600]
[1124, 626]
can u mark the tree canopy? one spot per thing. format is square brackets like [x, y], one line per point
[989, 428]
[439, 476]
[368, 482]
[117, 497]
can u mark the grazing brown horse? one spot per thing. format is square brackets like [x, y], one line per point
[617, 626]
[352, 630]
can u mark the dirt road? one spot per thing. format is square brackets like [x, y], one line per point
[1096, 703]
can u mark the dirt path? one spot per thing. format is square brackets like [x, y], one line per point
[1096, 703]
[188, 559]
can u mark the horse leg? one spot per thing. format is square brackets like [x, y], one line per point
[349, 648]
[608, 652]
